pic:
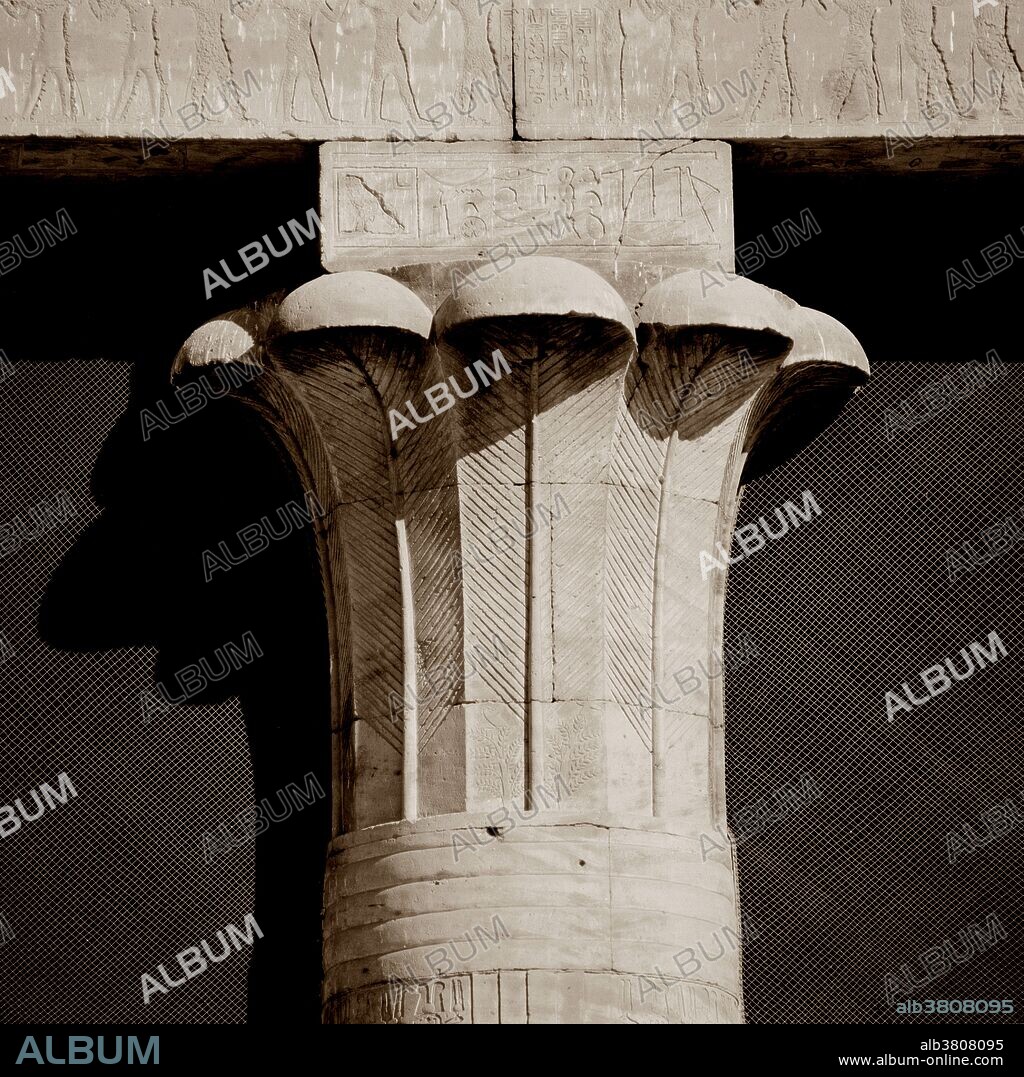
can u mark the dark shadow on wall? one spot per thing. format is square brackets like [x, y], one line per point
[137, 577]
[126, 284]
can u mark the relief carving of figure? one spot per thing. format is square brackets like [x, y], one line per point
[772, 70]
[212, 58]
[303, 62]
[389, 59]
[142, 60]
[51, 56]
[685, 79]
[934, 86]
[641, 37]
[1004, 69]
[480, 58]
[859, 63]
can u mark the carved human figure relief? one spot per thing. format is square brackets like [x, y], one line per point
[51, 55]
[772, 72]
[645, 24]
[481, 79]
[389, 59]
[212, 69]
[858, 67]
[999, 60]
[142, 60]
[685, 78]
[302, 62]
[935, 88]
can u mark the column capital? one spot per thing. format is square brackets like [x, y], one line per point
[522, 495]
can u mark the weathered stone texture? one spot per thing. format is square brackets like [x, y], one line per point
[553, 923]
[465, 213]
[765, 68]
[310, 69]
[442, 69]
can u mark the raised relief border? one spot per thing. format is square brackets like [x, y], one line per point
[443, 69]
[314, 69]
[654, 69]
[393, 204]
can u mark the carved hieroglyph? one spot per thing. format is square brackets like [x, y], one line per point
[464, 213]
[762, 68]
[311, 69]
[517, 489]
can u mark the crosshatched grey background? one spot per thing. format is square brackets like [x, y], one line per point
[857, 882]
[843, 891]
[114, 882]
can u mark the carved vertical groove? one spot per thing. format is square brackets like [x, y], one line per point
[537, 589]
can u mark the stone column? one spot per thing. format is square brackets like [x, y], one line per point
[517, 493]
